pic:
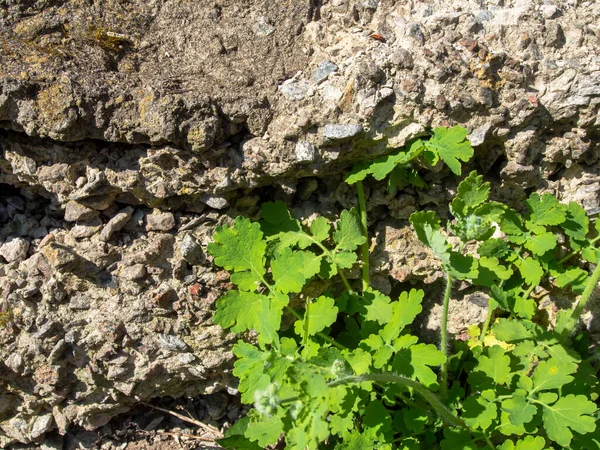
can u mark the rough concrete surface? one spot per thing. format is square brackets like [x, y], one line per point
[129, 130]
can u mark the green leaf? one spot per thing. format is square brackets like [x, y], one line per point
[463, 267]
[519, 409]
[458, 439]
[319, 315]
[344, 260]
[278, 223]
[527, 443]
[378, 307]
[574, 277]
[243, 311]
[237, 442]
[264, 430]
[288, 270]
[358, 173]
[239, 248]
[494, 248]
[250, 369]
[246, 281]
[451, 145]
[568, 413]
[544, 210]
[511, 330]
[311, 264]
[355, 441]
[541, 243]
[479, 413]
[403, 176]
[530, 270]
[490, 272]
[577, 224]
[359, 360]
[404, 311]
[377, 422]
[496, 365]
[414, 361]
[591, 254]
[276, 218]
[512, 225]
[348, 235]
[552, 374]
[471, 192]
[320, 228]
[415, 419]
[427, 226]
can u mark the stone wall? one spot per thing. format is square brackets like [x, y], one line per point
[130, 132]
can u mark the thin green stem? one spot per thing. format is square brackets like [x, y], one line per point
[488, 442]
[488, 320]
[587, 293]
[437, 405]
[570, 255]
[362, 204]
[444, 336]
[330, 256]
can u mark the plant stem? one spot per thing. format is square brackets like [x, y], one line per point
[444, 336]
[330, 256]
[587, 293]
[429, 396]
[488, 442]
[362, 204]
[488, 319]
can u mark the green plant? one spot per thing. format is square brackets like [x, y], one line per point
[328, 365]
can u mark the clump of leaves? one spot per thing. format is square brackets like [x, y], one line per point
[349, 374]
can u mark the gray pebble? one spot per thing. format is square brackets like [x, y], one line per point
[214, 201]
[305, 152]
[14, 249]
[323, 71]
[341, 131]
[295, 90]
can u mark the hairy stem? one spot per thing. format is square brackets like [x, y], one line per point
[444, 336]
[488, 319]
[363, 225]
[437, 405]
[587, 293]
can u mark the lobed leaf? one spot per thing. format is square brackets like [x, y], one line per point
[471, 192]
[239, 248]
[451, 145]
[571, 412]
[319, 315]
[242, 311]
[545, 210]
[496, 365]
[348, 235]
